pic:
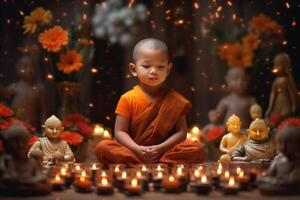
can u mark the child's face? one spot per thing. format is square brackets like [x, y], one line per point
[151, 67]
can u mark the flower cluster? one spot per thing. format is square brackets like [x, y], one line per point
[241, 54]
[65, 53]
[116, 21]
[7, 119]
[77, 128]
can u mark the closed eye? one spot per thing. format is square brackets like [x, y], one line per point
[146, 66]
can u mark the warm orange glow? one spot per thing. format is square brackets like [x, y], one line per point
[50, 77]
[57, 177]
[233, 16]
[238, 170]
[131, 2]
[144, 168]
[227, 174]
[219, 8]
[275, 70]
[179, 171]
[196, 5]
[229, 3]
[63, 171]
[287, 5]
[124, 175]
[94, 70]
[158, 168]
[78, 167]
[138, 174]
[241, 174]
[83, 173]
[94, 166]
[134, 182]
[103, 173]
[204, 179]
[117, 168]
[104, 181]
[231, 181]
[98, 129]
[159, 175]
[171, 178]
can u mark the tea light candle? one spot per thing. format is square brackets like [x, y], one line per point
[83, 184]
[216, 176]
[66, 176]
[181, 175]
[157, 179]
[104, 187]
[133, 188]
[243, 180]
[143, 179]
[120, 181]
[226, 176]
[171, 184]
[231, 188]
[202, 187]
[57, 183]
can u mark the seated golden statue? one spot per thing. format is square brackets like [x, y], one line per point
[20, 176]
[255, 112]
[283, 175]
[259, 147]
[51, 148]
[232, 139]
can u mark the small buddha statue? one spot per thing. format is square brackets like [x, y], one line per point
[50, 149]
[255, 112]
[259, 147]
[20, 176]
[283, 175]
[232, 139]
[284, 99]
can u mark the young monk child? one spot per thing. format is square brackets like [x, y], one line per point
[151, 123]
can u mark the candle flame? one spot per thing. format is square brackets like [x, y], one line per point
[98, 129]
[204, 179]
[195, 130]
[57, 177]
[134, 182]
[275, 70]
[83, 173]
[158, 168]
[138, 174]
[231, 181]
[63, 171]
[104, 181]
[103, 173]
[238, 170]
[179, 171]
[106, 133]
[117, 168]
[144, 168]
[197, 172]
[241, 174]
[171, 178]
[124, 175]
[227, 174]
[94, 167]
[78, 167]
[159, 174]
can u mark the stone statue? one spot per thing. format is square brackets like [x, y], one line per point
[283, 175]
[51, 148]
[238, 102]
[26, 95]
[259, 147]
[232, 139]
[18, 174]
[256, 112]
[283, 98]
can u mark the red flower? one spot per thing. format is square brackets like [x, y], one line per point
[274, 118]
[85, 128]
[21, 123]
[5, 111]
[214, 133]
[71, 137]
[5, 125]
[33, 139]
[72, 119]
[292, 121]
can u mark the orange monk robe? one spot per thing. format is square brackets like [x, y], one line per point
[151, 124]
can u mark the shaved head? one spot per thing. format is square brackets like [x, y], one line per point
[149, 44]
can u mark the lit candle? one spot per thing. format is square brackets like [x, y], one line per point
[67, 176]
[216, 176]
[202, 187]
[243, 180]
[226, 176]
[98, 130]
[106, 134]
[181, 175]
[157, 178]
[57, 183]
[231, 188]
[94, 168]
[83, 184]
[104, 187]
[171, 184]
[120, 181]
[133, 187]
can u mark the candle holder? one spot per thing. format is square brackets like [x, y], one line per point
[104, 186]
[171, 184]
[57, 183]
[66, 175]
[230, 188]
[202, 187]
[94, 168]
[181, 174]
[120, 181]
[244, 181]
[133, 187]
[157, 180]
[83, 185]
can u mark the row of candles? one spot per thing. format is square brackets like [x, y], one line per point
[159, 177]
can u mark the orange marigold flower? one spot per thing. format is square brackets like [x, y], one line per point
[263, 23]
[53, 39]
[5, 111]
[38, 16]
[71, 137]
[239, 56]
[69, 62]
[224, 51]
[251, 41]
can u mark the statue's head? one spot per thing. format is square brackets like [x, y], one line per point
[282, 63]
[237, 80]
[288, 141]
[256, 112]
[234, 124]
[16, 141]
[52, 127]
[258, 130]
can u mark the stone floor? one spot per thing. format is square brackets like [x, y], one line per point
[70, 194]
